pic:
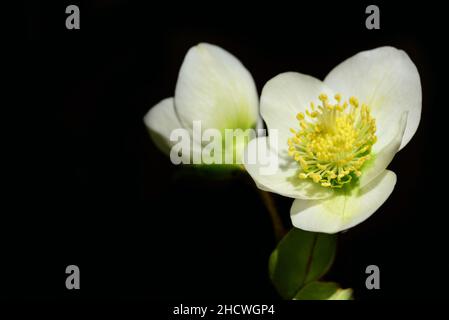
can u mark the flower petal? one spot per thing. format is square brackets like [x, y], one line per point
[383, 157]
[278, 174]
[284, 96]
[343, 211]
[386, 80]
[215, 88]
[161, 120]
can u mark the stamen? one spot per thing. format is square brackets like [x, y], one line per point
[333, 141]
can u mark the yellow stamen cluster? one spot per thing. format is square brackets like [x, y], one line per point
[333, 142]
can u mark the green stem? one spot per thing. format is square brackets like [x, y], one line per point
[278, 227]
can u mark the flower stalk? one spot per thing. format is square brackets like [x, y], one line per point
[276, 221]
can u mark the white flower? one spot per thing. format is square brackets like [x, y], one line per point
[337, 137]
[213, 89]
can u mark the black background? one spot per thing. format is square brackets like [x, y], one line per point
[91, 189]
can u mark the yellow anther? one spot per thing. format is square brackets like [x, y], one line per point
[338, 97]
[303, 163]
[300, 116]
[331, 175]
[315, 177]
[322, 97]
[354, 102]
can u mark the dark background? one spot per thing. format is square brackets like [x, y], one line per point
[91, 189]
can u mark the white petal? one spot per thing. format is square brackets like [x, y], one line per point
[279, 174]
[388, 81]
[284, 96]
[215, 88]
[343, 211]
[382, 158]
[161, 120]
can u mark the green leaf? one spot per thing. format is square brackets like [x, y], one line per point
[342, 294]
[300, 257]
[323, 291]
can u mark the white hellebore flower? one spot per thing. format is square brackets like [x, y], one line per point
[215, 92]
[337, 137]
